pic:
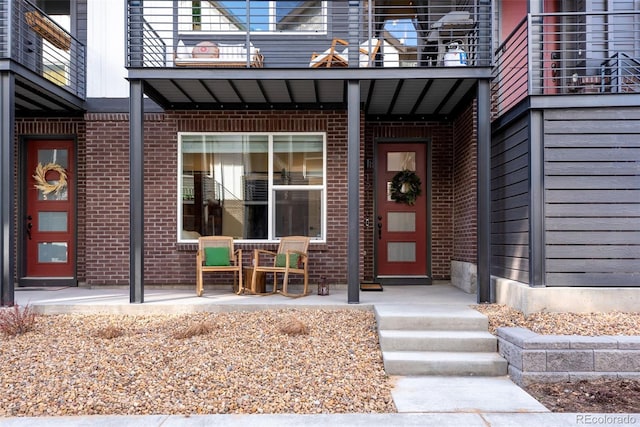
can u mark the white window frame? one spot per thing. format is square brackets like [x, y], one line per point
[272, 188]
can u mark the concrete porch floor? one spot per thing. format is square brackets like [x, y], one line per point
[184, 300]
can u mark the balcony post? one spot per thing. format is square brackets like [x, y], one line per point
[354, 25]
[484, 34]
[7, 188]
[136, 192]
[484, 191]
[136, 33]
[353, 191]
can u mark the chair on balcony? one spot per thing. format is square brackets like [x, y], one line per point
[216, 254]
[332, 57]
[290, 258]
[217, 55]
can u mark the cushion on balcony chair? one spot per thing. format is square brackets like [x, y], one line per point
[216, 256]
[182, 51]
[281, 260]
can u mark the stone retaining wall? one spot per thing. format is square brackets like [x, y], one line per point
[537, 358]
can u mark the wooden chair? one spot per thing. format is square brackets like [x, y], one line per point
[217, 254]
[333, 58]
[290, 258]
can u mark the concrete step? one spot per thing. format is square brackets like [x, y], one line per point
[444, 363]
[466, 341]
[438, 318]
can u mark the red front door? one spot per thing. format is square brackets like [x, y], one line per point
[401, 227]
[49, 219]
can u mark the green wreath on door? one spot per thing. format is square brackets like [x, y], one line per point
[405, 187]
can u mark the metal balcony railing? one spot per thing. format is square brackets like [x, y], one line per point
[567, 54]
[33, 40]
[307, 34]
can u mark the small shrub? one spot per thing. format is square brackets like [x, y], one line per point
[109, 332]
[193, 330]
[293, 326]
[16, 320]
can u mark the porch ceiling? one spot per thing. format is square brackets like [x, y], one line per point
[383, 96]
[33, 97]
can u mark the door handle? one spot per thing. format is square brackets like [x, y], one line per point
[29, 226]
[379, 228]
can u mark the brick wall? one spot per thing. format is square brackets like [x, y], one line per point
[465, 186]
[103, 189]
[441, 135]
[167, 262]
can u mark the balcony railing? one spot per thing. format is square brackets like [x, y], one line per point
[567, 54]
[33, 40]
[307, 34]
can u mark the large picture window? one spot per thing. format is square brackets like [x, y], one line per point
[253, 16]
[251, 186]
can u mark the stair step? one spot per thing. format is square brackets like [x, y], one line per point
[398, 317]
[443, 363]
[465, 341]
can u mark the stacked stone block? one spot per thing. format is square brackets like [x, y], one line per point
[534, 358]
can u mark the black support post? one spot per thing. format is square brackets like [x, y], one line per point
[7, 188]
[484, 192]
[353, 191]
[136, 195]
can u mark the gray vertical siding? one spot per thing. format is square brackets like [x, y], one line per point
[592, 197]
[510, 201]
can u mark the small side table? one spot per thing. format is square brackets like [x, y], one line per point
[260, 287]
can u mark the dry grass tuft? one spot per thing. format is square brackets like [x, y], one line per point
[293, 326]
[109, 332]
[193, 330]
[16, 321]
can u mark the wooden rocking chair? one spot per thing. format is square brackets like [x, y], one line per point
[291, 258]
[217, 254]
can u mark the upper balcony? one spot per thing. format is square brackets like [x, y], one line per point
[563, 54]
[48, 63]
[413, 58]
[306, 34]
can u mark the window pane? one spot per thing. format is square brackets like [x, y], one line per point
[299, 16]
[298, 160]
[224, 186]
[263, 16]
[51, 163]
[52, 252]
[401, 222]
[52, 221]
[401, 252]
[400, 161]
[298, 213]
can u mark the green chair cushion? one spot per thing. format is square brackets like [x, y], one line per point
[217, 257]
[281, 260]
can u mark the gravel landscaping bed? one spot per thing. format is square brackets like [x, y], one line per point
[276, 361]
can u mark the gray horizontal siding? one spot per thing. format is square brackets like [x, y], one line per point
[510, 202]
[592, 197]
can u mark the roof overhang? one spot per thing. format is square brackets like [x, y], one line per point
[403, 93]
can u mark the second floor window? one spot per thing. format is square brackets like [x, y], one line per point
[253, 16]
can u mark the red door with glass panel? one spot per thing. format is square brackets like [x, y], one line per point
[49, 218]
[401, 227]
